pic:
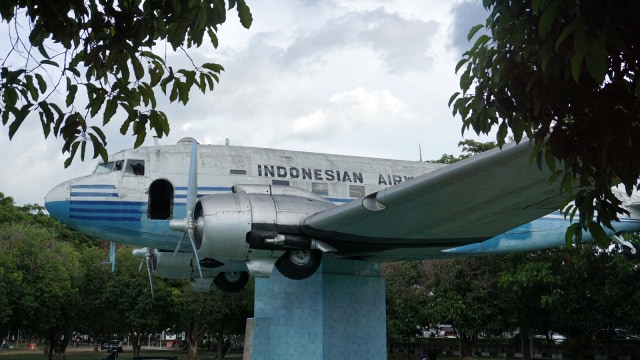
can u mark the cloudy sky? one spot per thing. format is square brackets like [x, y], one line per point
[362, 77]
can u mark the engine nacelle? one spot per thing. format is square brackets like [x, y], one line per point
[223, 220]
[254, 222]
[182, 266]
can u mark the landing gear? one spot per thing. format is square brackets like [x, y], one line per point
[299, 264]
[231, 281]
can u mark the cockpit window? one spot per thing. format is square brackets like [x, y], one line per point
[109, 167]
[134, 167]
[104, 168]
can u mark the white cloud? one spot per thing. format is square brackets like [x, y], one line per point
[355, 77]
[350, 111]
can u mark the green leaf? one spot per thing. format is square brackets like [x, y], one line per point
[550, 161]
[598, 234]
[11, 77]
[569, 234]
[71, 92]
[19, 115]
[49, 62]
[110, 110]
[473, 31]
[138, 70]
[174, 91]
[576, 65]
[217, 68]
[184, 92]
[83, 147]
[42, 84]
[213, 38]
[43, 51]
[453, 98]
[244, 13]
[537, 5]
[152, 55]
[46, 117]
[547, 19]
[31, 88]
[596, 60]
[567, 31]
[98, 131]
[461, 63]
[96, 104]
[466, 79]
[502, 131]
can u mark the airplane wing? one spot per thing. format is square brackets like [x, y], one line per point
[466, 202]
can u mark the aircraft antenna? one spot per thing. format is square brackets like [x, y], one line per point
[420, 152]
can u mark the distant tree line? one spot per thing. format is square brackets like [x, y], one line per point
[53, 282]
[575, 292]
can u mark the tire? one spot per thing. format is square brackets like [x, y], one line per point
[299, 264]
[231, 281]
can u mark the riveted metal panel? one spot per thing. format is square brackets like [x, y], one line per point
[224, 223]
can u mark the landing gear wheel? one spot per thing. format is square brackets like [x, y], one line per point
[299, 264]
[231, 281]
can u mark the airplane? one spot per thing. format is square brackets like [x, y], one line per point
[220, 214]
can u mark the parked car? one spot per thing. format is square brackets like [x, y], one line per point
[620, 334]
[553, 337]
[114, 345]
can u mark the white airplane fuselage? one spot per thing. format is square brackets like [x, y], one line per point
[119, 205]
[260, 198]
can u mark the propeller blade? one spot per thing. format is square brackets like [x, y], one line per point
[141, 263]
[195, 251]
[149, 271]
[178, 246]
[192, 187]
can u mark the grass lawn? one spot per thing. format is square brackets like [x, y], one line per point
[86, 354]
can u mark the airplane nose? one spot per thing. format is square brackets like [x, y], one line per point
[57, 202]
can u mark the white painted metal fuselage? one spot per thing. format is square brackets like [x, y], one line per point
[254, 206]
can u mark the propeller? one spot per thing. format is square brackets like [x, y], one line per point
[188, 224]
[147, 256]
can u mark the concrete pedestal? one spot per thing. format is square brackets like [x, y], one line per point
[338, 313]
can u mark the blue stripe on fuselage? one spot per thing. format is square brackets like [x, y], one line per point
[105, 210]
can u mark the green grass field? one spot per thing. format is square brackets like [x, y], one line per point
[127, 355]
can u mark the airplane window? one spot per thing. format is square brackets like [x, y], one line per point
[118, 165]
[104, 168]
[280, 182]
[135, 167]
[356, 191]
[321, 189]
[237, 172]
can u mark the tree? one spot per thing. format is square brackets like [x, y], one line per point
[554, 290]
[103, 50]
[469, 148]
[467, 296]
[407, 298]
[199, 314]
[46, 297]
[565, 75]
[132, 308]
[95, 315]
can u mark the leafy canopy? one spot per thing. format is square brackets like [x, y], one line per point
[103, 50]
[564, 74]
